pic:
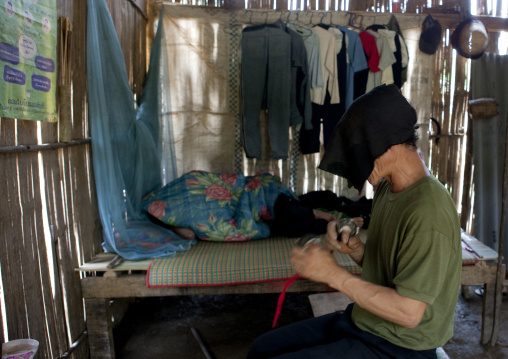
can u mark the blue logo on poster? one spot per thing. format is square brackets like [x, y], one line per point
[14, 76]
[9, 53]
[44, 64]
[41, 83]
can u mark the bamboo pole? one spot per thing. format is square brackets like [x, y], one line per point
[46, 146]
[500, 275]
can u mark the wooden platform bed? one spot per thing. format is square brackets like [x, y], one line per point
[233, 268]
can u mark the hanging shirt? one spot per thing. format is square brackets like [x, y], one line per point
[338, 38]
[393, 24]
[311, 41]
[301, 108]
[403, 49]
[388, 76]
[328, 61]
[370, 49]
[357, 62]
[386, 60]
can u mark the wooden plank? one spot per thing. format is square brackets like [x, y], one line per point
[10, 255]
[478, 274]
[489, 292]
[101, 261]
[135, 286]
[78, 14]
[32, 259]
[7, 131]
[100, 329]
[483, 251]
[78, 219]
[67, 228]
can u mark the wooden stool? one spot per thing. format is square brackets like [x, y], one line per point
[325, 303]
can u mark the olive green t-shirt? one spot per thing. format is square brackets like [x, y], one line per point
[413, 245]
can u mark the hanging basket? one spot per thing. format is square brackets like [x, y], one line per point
[483, 108]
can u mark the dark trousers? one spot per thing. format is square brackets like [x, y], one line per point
[266, 84]
[328, 336]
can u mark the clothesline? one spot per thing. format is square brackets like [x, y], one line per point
[321, 15]
[329, 17]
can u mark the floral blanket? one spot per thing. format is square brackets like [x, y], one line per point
[218, 206]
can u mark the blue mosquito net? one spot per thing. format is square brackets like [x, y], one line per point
[130, 144]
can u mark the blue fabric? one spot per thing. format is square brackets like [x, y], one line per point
[218, 206]
[125, 143]
[357, 62]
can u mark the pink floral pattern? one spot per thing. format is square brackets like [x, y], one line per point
[253, 184]
[238, 237]
[192, 182]
[157, 209]
[228, 178]
[216, 191]
[264, 213]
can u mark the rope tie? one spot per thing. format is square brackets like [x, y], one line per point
[281, 298]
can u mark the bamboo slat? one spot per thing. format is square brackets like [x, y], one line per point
[12, 243]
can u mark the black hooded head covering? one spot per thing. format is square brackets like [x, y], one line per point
[373, 123]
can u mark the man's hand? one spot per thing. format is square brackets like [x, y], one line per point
[343, 244]
[316, 263]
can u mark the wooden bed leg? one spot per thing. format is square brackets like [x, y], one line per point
[100, 328]
[489, 292]
[465, 291]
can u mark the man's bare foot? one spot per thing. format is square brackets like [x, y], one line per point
[185, 233]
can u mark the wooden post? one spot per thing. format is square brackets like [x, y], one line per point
[487, 313]
[466, 187]
[100, 328]
[500, 271]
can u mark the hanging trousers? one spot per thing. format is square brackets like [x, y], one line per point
[266, 84]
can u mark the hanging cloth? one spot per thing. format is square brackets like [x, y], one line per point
[373, 123]
[125, 149]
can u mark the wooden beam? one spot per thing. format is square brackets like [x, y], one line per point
[140, 10]
[478, 274]
[494, 24]
[46, 146]
[134, 285]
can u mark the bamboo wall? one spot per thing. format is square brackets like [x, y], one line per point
[49, 222]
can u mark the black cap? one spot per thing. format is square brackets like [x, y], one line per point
[431, 35]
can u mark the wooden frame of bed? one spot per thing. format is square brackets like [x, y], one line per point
[128, 280]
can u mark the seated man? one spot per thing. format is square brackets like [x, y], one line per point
[404, 303]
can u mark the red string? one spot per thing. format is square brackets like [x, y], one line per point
[281, 298]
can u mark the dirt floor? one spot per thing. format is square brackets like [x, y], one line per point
[161, 327]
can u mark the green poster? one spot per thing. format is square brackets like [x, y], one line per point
[28, 37]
